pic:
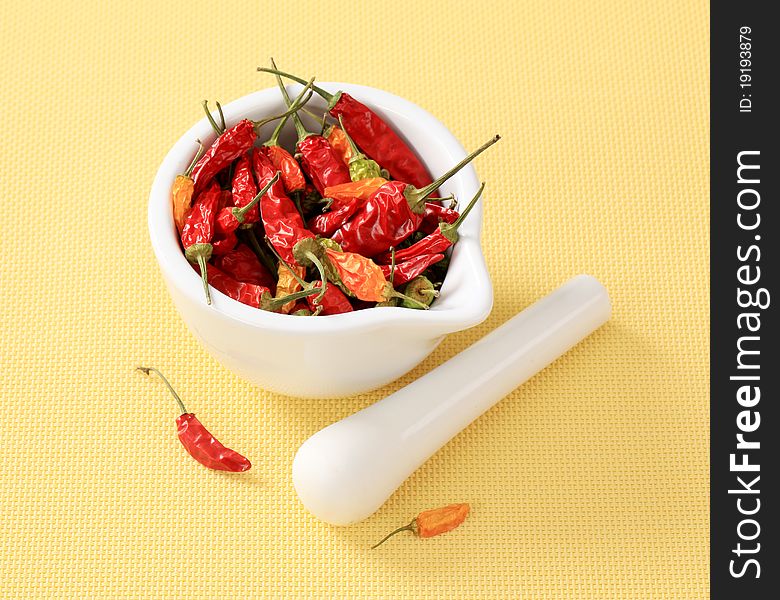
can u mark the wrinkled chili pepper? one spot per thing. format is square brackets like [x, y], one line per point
[360, 166]
[445, 235]
[223, 244]
[338, 140]
[333, 302]
[231, 217]
[328, 222]
[364, 278]
[230, 145]
[411, 268]
[196, 439]
[242, 264]
[434, 522]
[244, 188]
[392, 213]
[372, 134]
[250, 294]
[434, 214]
[346, 192]
[283, 224]
[319, 161]
[282, 160]
[289, 282]
[198, 231]
[182, 190]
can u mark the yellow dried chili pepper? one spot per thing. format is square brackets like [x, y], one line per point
[181, 191]
[433, 522]
[288, 283]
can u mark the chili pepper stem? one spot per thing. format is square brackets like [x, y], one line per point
[240, 213]
[417, 197]
[450, 230]
[217, 129]
[292, 108]
[149, 370]
[221, 115]
[299, 128]
[410, 527]
[261, 254]
[313, 258]
[410, 300]
[392, 264]
[195, 160]
[204, 277]
[331, 99]
[273, 304]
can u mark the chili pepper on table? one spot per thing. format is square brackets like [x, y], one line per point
[198, 231]
[243, 265]
[318, 160]
[445, 235]
[283, 161]
[393, 213]
[377, 139]
[230, 145]
[364, 278]
[182, 190]
[411, 268]
[430, 523]
[231, 217]
[250, 294]
[197, 440]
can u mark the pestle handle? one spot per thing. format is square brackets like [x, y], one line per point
[346, 471]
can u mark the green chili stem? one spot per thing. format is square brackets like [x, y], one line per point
[293, 107]
[221, 115]
[276, 303]
[419, 196]
[449, 228]
[326, 95]
[313, 258]
[240, 213]
[214, 125]
[420, 305]
[320, 120]
[299, 128]
[410, 527]
[392, 264]
[261, 254]
[148, 370]
[195, 160]
[204, 276]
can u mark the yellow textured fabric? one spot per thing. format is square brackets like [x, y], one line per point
[591, 481]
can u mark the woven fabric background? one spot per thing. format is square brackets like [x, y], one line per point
[591, 481]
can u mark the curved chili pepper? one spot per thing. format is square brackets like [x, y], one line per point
[333, 302]
[434, 522]
[328, 222]
[393, 213]
[283, 161]
[283, 224]
[408, 270]
[346, 192]
[434, 214]
[198, 231]
[197, 440]
[242, 264]
[372, 134]
[250, 294]
[244, 188]
[319, 161]
[445, 235]
[182, 189]
[364, 278]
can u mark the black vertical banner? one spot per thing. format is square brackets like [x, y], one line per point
[744, 560]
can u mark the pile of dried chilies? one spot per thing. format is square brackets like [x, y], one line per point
[345, 220]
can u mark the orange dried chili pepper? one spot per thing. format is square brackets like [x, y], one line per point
[288, 283]
[434, 522]
[364, 278]
[338, 139]
[345, 192]
[182, 190]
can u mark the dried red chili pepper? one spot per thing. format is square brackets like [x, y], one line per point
[250, 294]
[372, 134]
[434, 214]
[242, 264]
[231, 217]
[223, 244]
[182, 190]
[364, 278]
[283, 161]
[197, 440]
[198, 231]
[392, 213]
[244, 188]
[319, 161]
[434, 522]
[346, 192]
[328, 222]
[445, 235]
[333, 302]
[283, 224]
[230, 145]
[408, 270]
